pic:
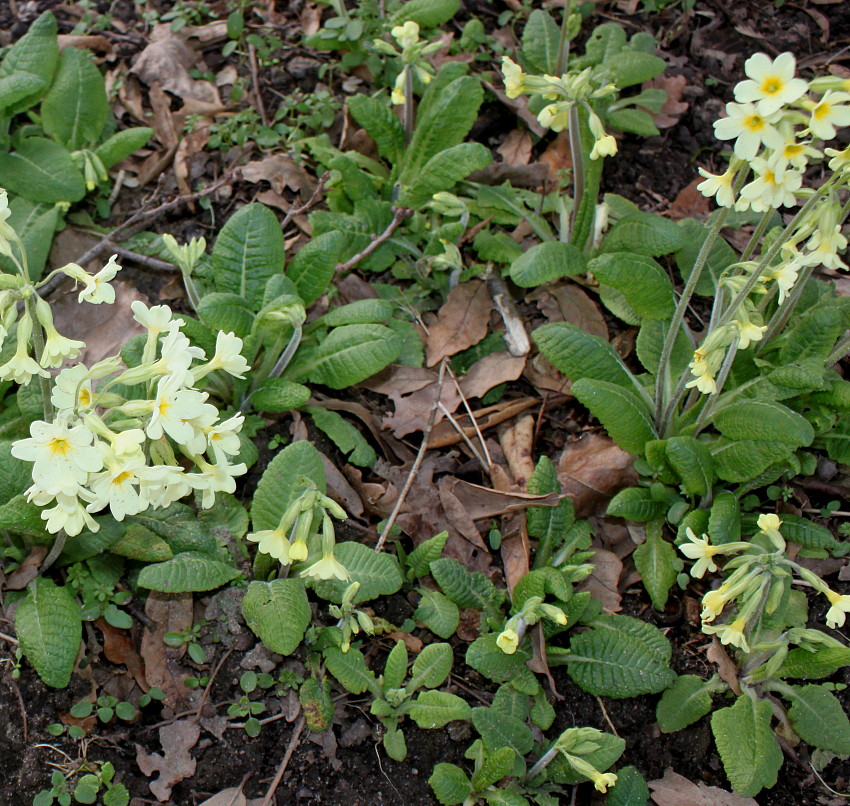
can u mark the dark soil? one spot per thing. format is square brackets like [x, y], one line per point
[708, 47]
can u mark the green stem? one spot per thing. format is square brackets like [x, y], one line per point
[577, 157]
[757, 235]
[839, 351]
[564, 43]
[191, 291]
[407, 109]
[783, 312]
[38, 349]
[725, 368]
[679, 313]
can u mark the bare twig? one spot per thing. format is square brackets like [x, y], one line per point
[152, 263]
[255, 77]
[607, 717]
[294, 211]
[399, 214]
[9, 638]
[293, 743]
[417, 462]
[206, 693]
[25, 727]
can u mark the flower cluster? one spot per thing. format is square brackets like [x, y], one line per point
[296, 537]
[104, 450]
[532, 611]
[412, 56]
[758, 583]
[563, 94]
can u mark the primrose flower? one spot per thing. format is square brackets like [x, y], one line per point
[328, 567]
[62, 457]
[825, 244]
[68, 514]
[228, 356]
[508, 641]
[719, 186]
[700, 550]
[749, 128]
[21, 366]
[840, 159]
[117, 486]
[555, 116]
[770, 188]
[713, 603]
[97, 288]
[605, 146]
[703, 374]
[748, 332]
[785, 276]
[156, 319]
[406, 35]
[56, 347]
[514, 77]
[72, 390]
[730, 633]
[217, 478]
[224, 437]
[829, 113]
[769, 525]
[174, 409]
[273, 542]
[397, 95]
[837, 613]
[771, 82]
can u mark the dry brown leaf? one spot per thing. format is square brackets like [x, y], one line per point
[170, 612]
[400, 380]
[310, 19]
[592, 470]
[88, 42]
[603, 582]
[676, 790]
[532, 176]
[689, 203]
[516, 149]
[460, 323]
[516, 440]
[413, 411]
[207, 34]
[544, 377]
[27, 571]
[726, 667]
[176, 762]
[162, 121]
[379, 499]
[490, 371]
[280, 172]
[674, 107]
[457, 514]
[118, 647]
[557, 156]
[340, 490]
[444, 433]
[231, 797]
[104, 328]
[130, 94]
[483, 502]
[167, 61]
[567, 302]
[189, 146]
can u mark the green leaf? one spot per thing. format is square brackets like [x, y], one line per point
[380, 124]
[625, 416]
[818, 718]
[641, 280]
[187, 572]
[312, 268]
[442, 172]
[431, 667]
[541, 39]
[610, 748]
[686, 701]
[15, 474]
[22, 517]
[378, 574]
[645, 234]
[579, 355]
[631, 789]
[351, 670]
[747, 745]
[445, 122]
[75, 108]
[228, 312]
[395, 669]
[691, 459]
[496, 765]
[806, 533]
[636, 504]
[650, 342]
[632, 121]
[548, 525]
[485, 657]
[499, 730]
[740, 460]
[122, 144]
[763, 420]
[361, 312]
[278, 612]
[349, 355]
[621, 657]
[248, 250]
[48, 624]
[467, 589]
[344, 435]
[35, 224]
[631, 67]
[278, 395]
[805, 665]
[426, 13]
[140, 543]
[720, 257]
[27, 68]
[394, 742]
[42, 171]
[282, 483]
[419, 560]
[450, 784]
[435, 709]
[546, 262]
[658, 566]
[437, 612]
[724, 521]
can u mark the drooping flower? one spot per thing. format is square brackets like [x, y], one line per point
[748, 332]
[21, 367]
[97, 288]
[508, 641]
[7, 232]
[840, 607]
[273, 542]
[719, 186]
[700, 550]
[769, 525]
[829, 113]
[771, 82]
[514, 77]
[786, 277]
[730, 633]
[770, 188]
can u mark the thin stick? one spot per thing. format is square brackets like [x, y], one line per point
[607, 717]
[294, 211]
[22, 708]
[416, 462]
[457, 427]
[489, 463]
[293, 743]
[399, 214]
[206, 693]
[255, 77]
[9, 638]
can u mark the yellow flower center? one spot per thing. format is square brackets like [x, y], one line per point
[59, 446]
[122, 477]
[84, 397]
[792, 150]
[755, 123]
[164, 406]
[822, 110]
[771, 85]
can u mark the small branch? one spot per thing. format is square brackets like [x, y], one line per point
[206, 693]
[293, 743]
[399, 215]
[317, 193]
[420, 456]
[255, 77]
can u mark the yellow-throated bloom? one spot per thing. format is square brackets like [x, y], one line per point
[771, 82]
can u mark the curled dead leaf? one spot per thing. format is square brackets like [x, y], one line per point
[676, 790]
[461, 322]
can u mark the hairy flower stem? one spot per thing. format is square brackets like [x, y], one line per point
[407, 115]
[679, 313]
[577, 157]
[725, 369]
[839, 351]
[757, 235]
[38, 349]
[564, 42]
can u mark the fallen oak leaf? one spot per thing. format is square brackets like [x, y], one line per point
[516, 148]
[491, 371]
[676, 790]
[483, 502]
[603, 582]
[118, 647]
[176, 762]
[674, 107]
[461, 322]
[27, 571]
